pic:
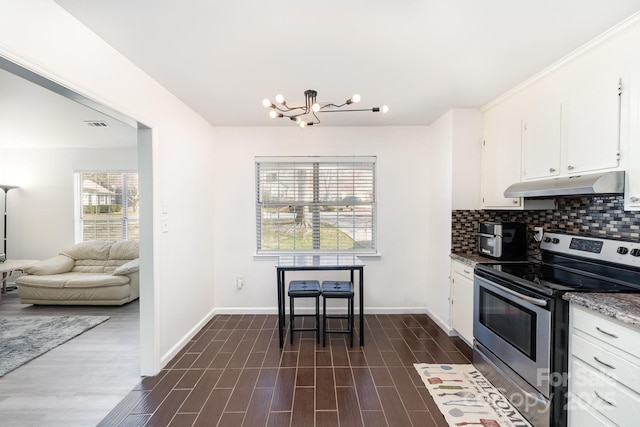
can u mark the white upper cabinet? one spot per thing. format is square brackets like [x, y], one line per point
[592, 114]
[541, 141]
[501, 152]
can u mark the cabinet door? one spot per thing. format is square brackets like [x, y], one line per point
[501, 162]
[593, 125]
[462, 306]
[541, 140]
[632, 129]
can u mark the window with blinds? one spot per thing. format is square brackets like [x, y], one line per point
[107, 206]
[316, 204]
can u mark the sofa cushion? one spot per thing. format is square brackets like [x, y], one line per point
[127, 268]
[96, 249]
[54, 265]
[124, 250]
[73, 280]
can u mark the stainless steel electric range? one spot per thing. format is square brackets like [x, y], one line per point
[521, 321]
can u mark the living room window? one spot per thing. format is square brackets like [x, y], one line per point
[107, 206]
[316, 204]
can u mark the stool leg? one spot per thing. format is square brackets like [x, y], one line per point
[318, 319]
[324, 321]
[350, 320]
[291, 318]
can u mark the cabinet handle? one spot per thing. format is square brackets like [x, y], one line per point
[467, 271]
[606, 333]
[552, 170]
[570, 167]
[603, 399]
[515, 202]
[603, 363]
[634, 199]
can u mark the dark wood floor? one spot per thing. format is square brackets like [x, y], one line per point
[233, 373]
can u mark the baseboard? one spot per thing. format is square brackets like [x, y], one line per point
[166, 358]
[310, 310]
[441, 323]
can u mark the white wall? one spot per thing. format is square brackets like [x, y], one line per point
[395, 281]
[41, 36]
[439, 216]
[454, 177]
[40, 213]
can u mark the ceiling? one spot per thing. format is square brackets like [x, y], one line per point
[419, 57]
[34, 117]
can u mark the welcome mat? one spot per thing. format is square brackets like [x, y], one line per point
[465, 397]
[23, 338]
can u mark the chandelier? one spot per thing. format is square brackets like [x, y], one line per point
[311, 107]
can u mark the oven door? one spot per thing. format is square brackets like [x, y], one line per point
[516, 328]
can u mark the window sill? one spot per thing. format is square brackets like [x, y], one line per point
[274, 257]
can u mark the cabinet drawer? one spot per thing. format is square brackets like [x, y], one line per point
[608, 330]
[462, 269]
[599, 357]
[603, 395]
[581, 415]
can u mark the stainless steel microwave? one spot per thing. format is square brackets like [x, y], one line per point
[503, 240]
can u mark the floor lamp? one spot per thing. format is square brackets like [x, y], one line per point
[5, 189]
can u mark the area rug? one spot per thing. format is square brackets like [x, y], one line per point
[23, 338]
[465, 397]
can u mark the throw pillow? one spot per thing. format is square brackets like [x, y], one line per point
[127, 268]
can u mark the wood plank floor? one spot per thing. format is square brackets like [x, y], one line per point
[79, 382]
[234, 374]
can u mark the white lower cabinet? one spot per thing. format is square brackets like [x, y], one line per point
[604, 371]
[462, 300]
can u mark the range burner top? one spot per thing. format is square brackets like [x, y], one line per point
[555, 278]
[577, 264]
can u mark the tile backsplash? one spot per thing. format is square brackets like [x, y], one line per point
[598, 216]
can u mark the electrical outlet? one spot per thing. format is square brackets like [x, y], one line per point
[538, 233]
[240, 281]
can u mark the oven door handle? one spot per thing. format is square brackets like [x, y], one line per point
[536, 301]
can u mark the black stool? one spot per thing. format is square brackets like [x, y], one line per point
[304, 289]
[333, 289]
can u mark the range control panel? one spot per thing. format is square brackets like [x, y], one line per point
[607, 250]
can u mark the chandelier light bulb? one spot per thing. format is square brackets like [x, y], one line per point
[274, 114]
[355, 98]
[266, 103]
[384, 109]
[298, 120]
[303, 124]
[280, 99]
[315, 107]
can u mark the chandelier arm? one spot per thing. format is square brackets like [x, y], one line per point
[333, 105]
[374, 109]
[286, 109]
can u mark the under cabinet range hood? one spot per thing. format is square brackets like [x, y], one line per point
[611, 182]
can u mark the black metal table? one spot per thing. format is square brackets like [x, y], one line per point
[349, 263]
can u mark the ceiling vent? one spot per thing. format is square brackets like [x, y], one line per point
[97, 123]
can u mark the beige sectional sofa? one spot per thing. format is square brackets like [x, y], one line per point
[89, 273]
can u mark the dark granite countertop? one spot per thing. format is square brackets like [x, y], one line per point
[469, 259]
[473, 259]
[622, 307]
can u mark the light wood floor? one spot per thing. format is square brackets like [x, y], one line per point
[79, 382]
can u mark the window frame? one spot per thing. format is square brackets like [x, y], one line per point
[79, 196]
[316, 163]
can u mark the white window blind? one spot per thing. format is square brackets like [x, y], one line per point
[107, 206]
[316, 204]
